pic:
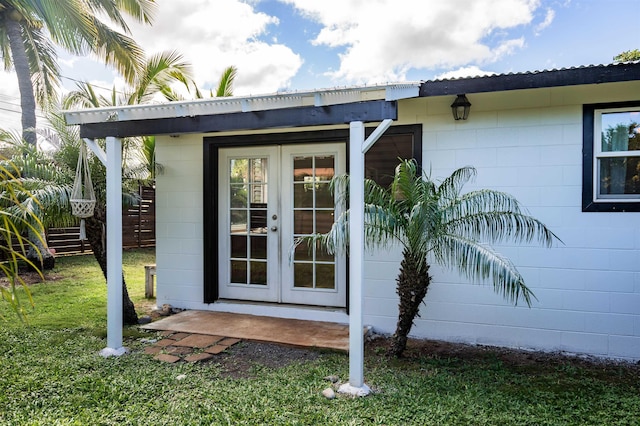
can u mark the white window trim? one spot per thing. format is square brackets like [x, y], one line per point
[598, 154]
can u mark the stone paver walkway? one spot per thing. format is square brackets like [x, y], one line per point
[176, 346]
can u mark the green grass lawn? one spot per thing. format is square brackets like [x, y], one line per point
[51, 374]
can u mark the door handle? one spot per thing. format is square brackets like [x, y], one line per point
[274, 228]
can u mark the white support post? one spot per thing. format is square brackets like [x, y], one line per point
[358, 147]
[356, 384]
[114, 248]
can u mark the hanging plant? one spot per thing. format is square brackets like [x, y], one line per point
[83, 198]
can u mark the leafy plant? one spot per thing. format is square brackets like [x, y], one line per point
[439, 223]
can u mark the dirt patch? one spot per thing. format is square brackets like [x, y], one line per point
[242, 360]
[418, 350]
[31, 277]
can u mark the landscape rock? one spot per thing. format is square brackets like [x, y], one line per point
[144, 320]
[332, 379]
[329, 393]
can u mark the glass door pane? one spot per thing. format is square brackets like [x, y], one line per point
[313, 212]
[248, 192]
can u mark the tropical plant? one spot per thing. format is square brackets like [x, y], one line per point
[627, 56]
[16, 219]
[439, 223]
[30, 31]
[44, 191]
[158, 75]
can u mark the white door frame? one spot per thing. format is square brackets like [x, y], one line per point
[279, 230]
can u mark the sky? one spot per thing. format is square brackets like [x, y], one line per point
[290, 45]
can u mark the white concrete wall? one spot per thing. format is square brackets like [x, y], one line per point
[179, 228]
[528, 143]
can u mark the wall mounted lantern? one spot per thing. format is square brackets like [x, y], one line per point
[460, 108]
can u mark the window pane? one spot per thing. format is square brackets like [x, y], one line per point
[620, 176]
[620, 131]
[238, 196]
[303, 275]
[302, 195]
[325, 168]
[325, 276]
[258, 221]
[239, 246]
[238, 221]
[258, 170]
[324, 198]
[238, 169]
[322, 255]
[259, 273]
[303, 222]
[259, 247]
[324, 220]
[302, 252]
[238, 272]
[258, 194]
[302, 167]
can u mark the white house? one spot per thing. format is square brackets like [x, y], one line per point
[243, 176]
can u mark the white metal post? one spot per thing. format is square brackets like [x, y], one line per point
[356, 253]
[358, 147]
[114, 247]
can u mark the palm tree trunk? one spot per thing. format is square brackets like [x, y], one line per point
[21, 65]
[96, 230]
[413, 283]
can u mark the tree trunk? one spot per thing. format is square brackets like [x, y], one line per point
[96, 229]
[21, 65]
[413, 283]
[39, 253]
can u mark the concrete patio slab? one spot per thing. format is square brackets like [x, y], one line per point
[251, 327]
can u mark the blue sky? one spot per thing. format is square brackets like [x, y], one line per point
[284, 45]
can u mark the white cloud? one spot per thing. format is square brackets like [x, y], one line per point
[471, 71]
[215, 35]
[383, 39]
[548, 19]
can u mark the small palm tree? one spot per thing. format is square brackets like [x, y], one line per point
[439, 223]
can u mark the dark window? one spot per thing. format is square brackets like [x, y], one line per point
[611, 157]
[381, 160]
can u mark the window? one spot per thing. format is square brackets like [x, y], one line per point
[611, 157]
[381, 160]
[398, 142]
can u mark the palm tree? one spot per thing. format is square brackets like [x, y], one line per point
[30, 30]
[16, 218]
[439, 223]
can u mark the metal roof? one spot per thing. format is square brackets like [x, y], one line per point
[251, 103]
[588, 74]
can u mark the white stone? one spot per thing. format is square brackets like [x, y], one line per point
[107, 352]
[181, 377]
[346, 388]
[329, 393]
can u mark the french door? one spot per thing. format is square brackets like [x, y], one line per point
[268, 197]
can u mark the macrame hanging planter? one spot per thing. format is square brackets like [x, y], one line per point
[83, 199]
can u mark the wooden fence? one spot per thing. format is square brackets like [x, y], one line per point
[138, 228]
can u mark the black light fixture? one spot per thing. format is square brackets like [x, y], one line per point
[460, 108]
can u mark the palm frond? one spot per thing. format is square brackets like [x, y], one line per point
[225, 86]
[479, 262]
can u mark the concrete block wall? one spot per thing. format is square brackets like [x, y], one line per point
[588, 287]
[179, 232]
